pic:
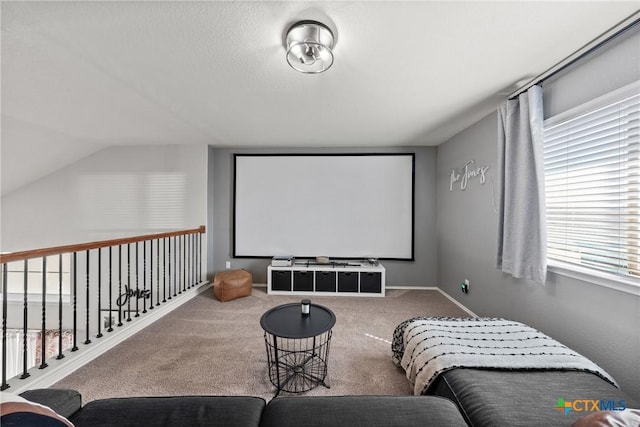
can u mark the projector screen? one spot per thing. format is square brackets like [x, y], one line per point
[336, 205]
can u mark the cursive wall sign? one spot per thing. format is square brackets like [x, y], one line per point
[132, 293]
[469, 171]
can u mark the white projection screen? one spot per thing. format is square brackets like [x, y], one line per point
[336, 205]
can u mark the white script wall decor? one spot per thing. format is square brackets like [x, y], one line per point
[469, 171]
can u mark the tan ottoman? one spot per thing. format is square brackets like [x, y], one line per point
[228, 285]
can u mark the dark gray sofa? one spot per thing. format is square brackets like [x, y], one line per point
[232, 411]
[489, 398]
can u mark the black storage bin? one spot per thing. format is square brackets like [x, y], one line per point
[280, 280]
[325, 281]
[371, 282]
[303, 281]
[347, 281]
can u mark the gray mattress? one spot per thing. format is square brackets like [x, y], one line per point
[522, 398]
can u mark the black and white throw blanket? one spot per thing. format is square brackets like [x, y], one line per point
[425, 347]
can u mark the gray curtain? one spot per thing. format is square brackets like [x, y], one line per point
[522, 230]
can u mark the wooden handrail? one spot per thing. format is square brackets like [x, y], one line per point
[39, 253]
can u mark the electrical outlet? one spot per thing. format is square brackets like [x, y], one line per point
[464, 286]
[228, 264]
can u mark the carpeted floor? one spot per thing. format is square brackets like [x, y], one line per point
[206, 347]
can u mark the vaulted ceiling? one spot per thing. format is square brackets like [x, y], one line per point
[80, 76]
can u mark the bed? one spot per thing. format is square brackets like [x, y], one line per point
[502, 373]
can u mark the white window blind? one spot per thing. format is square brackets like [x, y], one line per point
[592, 180]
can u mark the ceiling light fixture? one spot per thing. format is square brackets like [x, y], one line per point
[309, 47]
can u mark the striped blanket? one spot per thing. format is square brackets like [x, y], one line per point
[425, 347]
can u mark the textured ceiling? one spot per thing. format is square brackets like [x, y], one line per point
[79, 76]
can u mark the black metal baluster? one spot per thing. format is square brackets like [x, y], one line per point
[43, 331]
[128, 286]
[180, 251]
[60, 355]
[175, 268]
[87, 340]
[151, 273]
[199, 258]
[188, 260]
[137, 283]
[4, 385]
[194, 259]
[170, 267]
[25, 313]
[181, 262]
[184, 262]
[144, 276]
[164, 269]
[119, 285]
[99, 293]
[191, 276]
[75, 302]
[110, 329]
[157, 272]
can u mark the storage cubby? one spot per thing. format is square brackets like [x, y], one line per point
[325, 281]
[370, 282]
[340, 278]
[281, 280]
[303, 280]
[347, 281]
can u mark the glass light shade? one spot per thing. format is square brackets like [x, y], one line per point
[309, 47]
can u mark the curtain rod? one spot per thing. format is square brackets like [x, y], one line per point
[616, 31]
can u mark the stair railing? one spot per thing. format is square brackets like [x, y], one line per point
[70, 295]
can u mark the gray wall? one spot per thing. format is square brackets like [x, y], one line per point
[601, 323]
[421, 272]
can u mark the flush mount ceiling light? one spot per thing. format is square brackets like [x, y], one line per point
[309, 47]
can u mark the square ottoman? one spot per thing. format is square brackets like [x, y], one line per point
[232, 284]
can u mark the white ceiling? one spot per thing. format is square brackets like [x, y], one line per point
[80, 76]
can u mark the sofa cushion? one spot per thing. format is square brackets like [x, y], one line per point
[523, 398]
[361, 411]
[64, 401]
[213, 411]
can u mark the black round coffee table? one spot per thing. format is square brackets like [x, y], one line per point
[297, 346]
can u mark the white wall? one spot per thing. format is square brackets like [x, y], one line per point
[116, 192]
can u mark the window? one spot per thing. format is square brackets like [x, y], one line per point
[133, 201]
[592, 180]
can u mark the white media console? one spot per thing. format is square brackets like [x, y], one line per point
[351, 278]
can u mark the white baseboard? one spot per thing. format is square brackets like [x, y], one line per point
[58, 369]
[414, 288]
[458, 303]
[435, 288]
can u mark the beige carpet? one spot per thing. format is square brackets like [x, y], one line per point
[207, 347]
